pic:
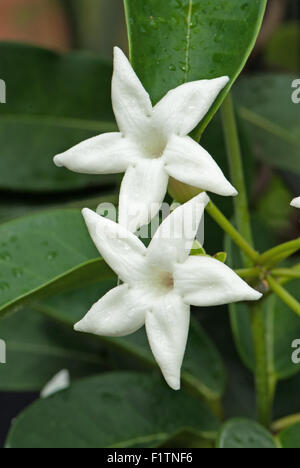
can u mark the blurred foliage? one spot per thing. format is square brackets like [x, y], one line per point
[283, 48]
[273, 207]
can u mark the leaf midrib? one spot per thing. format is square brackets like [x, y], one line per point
[188, 40]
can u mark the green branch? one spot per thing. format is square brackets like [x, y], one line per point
[227, 227]
[264, 378]
[292, 273]
[248, 272]
[276, 255]
[284, 295]
[236, 171]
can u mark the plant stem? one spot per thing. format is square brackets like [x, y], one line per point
[286, 272]
[278, 254]
[248, 272]
[239, 240]
[265, 383]
[236, 170]
[286, 280]
[264, 380]
[285, 423]
[284, 295]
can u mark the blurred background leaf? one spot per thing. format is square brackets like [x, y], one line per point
[243, 433]
[116, 410]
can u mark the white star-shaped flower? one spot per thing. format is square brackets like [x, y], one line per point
[153, 144]
[160, 284]
[296, 202]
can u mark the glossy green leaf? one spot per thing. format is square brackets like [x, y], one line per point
[272, 118]
[114, 410]
[290, 437]
[45, 253]
[282, 322]
[202, 368]
[54, 101]
[244, 433]
[37, 348]
[178, 41]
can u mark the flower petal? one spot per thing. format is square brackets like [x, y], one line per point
[131, 103]
[204, 281]
[142, 192]
[123, 251]
[188, 162]
[109, 153]
[174, 238]
[167, 327]
[184, 107]
[119, 313]
[296, 202]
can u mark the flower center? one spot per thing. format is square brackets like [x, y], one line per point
[153, 143]
[163, 283]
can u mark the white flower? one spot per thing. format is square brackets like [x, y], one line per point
[160, 284]
[153, 144]
[296, 202]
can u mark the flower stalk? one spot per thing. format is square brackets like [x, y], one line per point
[280, 253]
[264, 388]
[227, 227]
[284, 295]
[233, 147]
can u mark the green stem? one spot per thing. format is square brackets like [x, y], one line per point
[236, 170]
[263, 376]
[239, 240]
[286, 280]
[284, 295]
[248, 272]
[278, 254]
[285, 423]
[286, 272]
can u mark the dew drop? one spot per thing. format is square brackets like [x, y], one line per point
[4, 286]
[244, 6]
[5, 256]
[51, 255]
[17, 272]
[172, 67]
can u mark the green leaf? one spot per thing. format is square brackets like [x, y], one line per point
[272, 119]
[178, 41]
[290, 437]
[283, 325]
[244, 433]
[37, 348]
[202, 368]
[47, 252]
[114, 410]
[54, 101]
